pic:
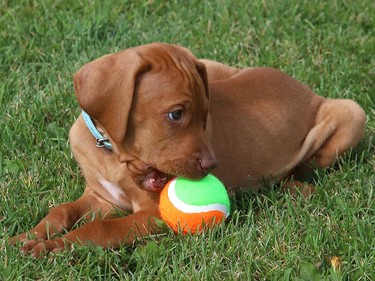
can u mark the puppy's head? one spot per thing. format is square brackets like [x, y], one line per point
[152, 103]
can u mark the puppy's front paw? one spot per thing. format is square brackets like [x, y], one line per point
[17, 239]
[38, 248]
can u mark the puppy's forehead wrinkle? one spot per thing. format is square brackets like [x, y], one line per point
[171, 58]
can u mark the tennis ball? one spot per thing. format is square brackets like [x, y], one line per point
[190, 205]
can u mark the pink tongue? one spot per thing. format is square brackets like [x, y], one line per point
[155, 181]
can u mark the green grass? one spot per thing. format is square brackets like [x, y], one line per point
[329, 45]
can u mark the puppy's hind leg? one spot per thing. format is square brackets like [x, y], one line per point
[339, 126]
[345, 121]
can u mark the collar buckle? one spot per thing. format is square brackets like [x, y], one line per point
[101, 142]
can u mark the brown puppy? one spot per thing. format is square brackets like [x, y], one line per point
[163, 118]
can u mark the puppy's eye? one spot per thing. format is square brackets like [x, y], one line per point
[175, 115]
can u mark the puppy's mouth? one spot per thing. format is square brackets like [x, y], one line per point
[155, 180]
[149, 178]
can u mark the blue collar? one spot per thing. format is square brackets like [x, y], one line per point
[101, 141]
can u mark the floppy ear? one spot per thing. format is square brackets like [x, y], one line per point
[105, 88]
[201, 68]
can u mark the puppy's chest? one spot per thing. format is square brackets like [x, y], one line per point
[115, 194]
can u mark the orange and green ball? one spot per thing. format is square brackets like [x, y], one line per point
[190, 205]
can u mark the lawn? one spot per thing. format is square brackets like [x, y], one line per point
[329, 45]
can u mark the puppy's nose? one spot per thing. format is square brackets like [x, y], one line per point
[207, 165]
